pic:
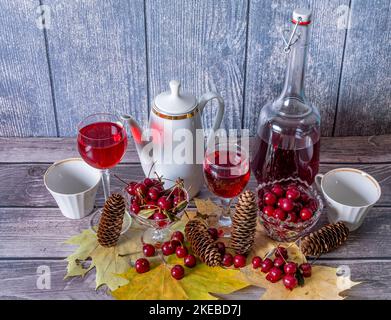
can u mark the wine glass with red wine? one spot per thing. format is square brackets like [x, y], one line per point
[102, 143]
[226, 172]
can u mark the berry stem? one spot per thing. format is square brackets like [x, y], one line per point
[120, 179]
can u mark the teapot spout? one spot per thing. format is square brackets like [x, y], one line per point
[136, 131]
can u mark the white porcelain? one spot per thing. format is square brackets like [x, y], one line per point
[349, 193]
[173, 115]
[73, 184]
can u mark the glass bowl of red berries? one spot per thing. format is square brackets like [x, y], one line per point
[289, 208]
[155, 207]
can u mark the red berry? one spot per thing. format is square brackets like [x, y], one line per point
[274, 274]
[228, 260]
[261, 193]
[161, 219]
[278, 190]
[279, 262]
[148, 250]
[150, 205]
[312, 205]
[164, 203]
[281, 252]
[280, 214]
[148, 182]
[304, 198]
[285, 204]
[290, 282]
[131, 188]
[290, 268]
[159, 216]
[167, 248]
[257, 262]
[213, 233]
[269, 198]
[140, 188]
[135, 208]
[292, 194]
[239, 261]
[153, 193]
[306, 269]
[142, 265]
[175, 244]
[291, 217]
[178, 192]
[221, 248]
[293, 186]
[181, 252]
[266, 265]
[177, 235]
[305, 214]
[190, 261]
[177, 200]
[268, 210]
[177, 272]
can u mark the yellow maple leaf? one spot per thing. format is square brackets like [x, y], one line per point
[108, 262]
[198, 284]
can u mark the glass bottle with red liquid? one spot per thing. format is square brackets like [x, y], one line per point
[288, 134]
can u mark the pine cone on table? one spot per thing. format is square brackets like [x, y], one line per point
[244, 222]
[325, 239]
[110, 224]
[202, 244]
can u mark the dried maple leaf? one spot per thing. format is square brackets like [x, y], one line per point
[108, 262]
[198, 284]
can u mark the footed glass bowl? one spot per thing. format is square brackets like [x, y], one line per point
[158, 230]
[285, 231]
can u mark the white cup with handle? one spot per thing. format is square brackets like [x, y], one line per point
[350, 194]
[73, 184]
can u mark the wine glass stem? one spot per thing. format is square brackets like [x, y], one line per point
[226, 205]
[106, 182]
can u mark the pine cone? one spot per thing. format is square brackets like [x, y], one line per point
[110, 224]
[325, 239]
[202, 244]
[244, 222]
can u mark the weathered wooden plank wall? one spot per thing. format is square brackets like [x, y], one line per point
[366, 71]
[117, 55]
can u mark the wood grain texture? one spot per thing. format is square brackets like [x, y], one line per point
[41, 232]
[266, 61]
[97, 54]
[373, 149]
[365, 95]
[26, 107]
[18, 280]
[25, 188]
[201, 43]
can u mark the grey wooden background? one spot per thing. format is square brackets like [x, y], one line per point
[116, 55]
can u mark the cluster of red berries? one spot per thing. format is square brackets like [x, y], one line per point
[149, 198]
[175, 245]
[281, 268]
[290, 203]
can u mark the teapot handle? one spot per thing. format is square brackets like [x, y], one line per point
[205, 98]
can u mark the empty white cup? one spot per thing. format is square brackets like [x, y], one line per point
[349, 193]
[73, 184]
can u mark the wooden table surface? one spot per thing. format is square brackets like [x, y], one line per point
[32, 229]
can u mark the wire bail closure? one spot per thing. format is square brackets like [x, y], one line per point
[290, 42]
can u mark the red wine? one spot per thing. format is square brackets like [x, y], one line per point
[286, 156]
[226, 174]
[102, 144]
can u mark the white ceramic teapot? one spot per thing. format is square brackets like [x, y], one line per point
[174, 144]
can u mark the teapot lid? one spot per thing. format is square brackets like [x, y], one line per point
[174, 102]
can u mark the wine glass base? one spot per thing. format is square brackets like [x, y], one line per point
[156, 237]
[225, 224]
